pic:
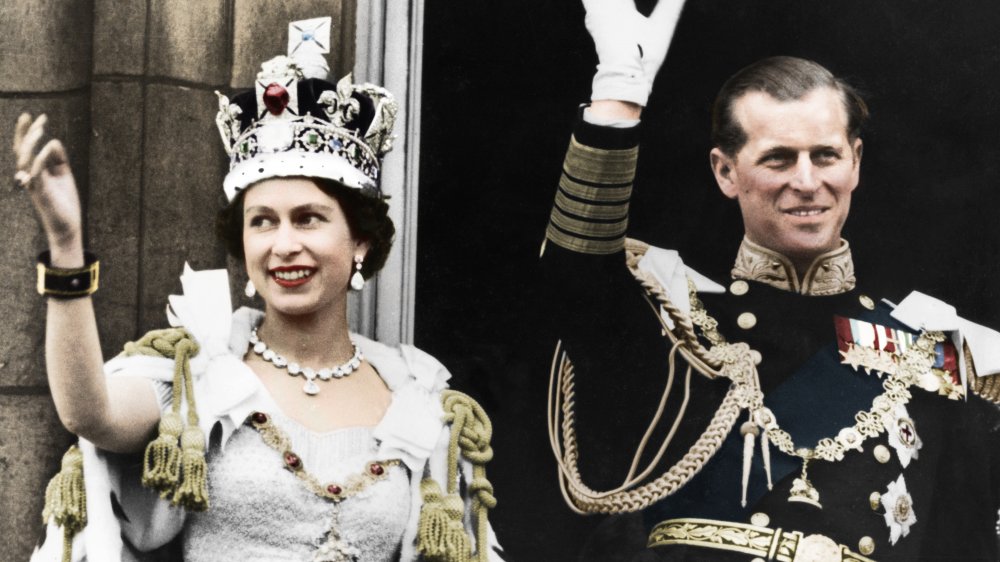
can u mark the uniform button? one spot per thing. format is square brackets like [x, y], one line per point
[739, 287]
[866, 545]
[882, 454]
[875, 500]
[756, 356]
[746, 320]
[760, 519]
[866, 302]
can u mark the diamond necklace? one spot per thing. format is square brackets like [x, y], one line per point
[293, 368]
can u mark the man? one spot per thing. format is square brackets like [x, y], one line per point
[815, 422]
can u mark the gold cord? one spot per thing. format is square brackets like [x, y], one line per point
[441, 535]
[176, 471]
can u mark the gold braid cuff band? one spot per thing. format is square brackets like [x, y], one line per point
[590, 214]
[67, 283]
[767, 543]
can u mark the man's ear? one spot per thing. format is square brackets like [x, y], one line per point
[856, 150]
[724, 169]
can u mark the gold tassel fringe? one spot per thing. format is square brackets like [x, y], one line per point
[161, 467]
[177, 472]
[441, 536]
[192, 493]
[66, 499]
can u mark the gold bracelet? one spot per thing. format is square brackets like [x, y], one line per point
[67, 283]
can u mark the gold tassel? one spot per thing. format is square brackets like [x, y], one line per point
[66, 499]
[177, 472]
[192, 493]
[471, 431]
[441, 536]
[162, 462]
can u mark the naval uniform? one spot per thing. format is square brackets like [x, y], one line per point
[924, 488]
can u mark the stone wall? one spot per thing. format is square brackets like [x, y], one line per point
[128, 86]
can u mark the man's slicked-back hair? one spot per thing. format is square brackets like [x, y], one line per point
[784, 79]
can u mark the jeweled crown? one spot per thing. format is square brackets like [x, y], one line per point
[295, 123]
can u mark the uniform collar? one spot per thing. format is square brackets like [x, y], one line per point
[830, 273]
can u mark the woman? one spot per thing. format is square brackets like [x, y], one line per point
[321, 444]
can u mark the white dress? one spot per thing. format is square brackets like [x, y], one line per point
[259, 510]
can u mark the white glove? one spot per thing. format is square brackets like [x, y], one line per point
[630, 47]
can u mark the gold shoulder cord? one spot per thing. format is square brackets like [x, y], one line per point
[631, 496]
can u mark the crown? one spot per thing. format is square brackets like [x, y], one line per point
[295, 123]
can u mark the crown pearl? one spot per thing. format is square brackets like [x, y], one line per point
[275, 98]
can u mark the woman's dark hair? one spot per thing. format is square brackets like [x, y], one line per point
[784, 79]
[367, 217]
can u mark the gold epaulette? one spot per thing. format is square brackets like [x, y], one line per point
[441, 534]
[986, 387]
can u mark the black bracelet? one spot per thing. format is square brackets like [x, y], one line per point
[67, 283]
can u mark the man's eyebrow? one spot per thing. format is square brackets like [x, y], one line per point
[779, 151]
[785, 152]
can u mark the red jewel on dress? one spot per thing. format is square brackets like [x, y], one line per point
[292, 460]
[259, 417]
[275, 98]
[334, 489]
[376, 469]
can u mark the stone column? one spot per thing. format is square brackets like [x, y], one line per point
[129, 87]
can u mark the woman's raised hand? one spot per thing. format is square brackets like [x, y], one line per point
[46, 175]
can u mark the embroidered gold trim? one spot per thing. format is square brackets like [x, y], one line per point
[831, 273]
[354, 484]
[771, 544]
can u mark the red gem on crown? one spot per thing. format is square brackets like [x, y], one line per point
[259, 418]
[334, 490]
[293, 461]
[275, 98]
[376, 469]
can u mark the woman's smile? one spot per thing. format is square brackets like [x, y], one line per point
[292, 276]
